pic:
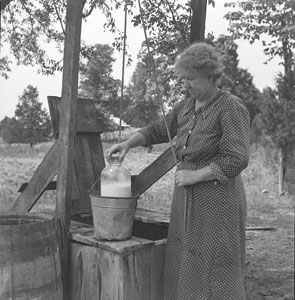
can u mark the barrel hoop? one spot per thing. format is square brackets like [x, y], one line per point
[52, 289]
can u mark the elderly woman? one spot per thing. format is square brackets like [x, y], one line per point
[206, 240]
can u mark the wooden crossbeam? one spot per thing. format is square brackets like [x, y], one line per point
[43, 175]
[153, 172]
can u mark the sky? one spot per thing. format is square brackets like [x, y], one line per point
[251, 57]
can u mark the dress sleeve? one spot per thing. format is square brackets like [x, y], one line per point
[156, 133]
[234, 143]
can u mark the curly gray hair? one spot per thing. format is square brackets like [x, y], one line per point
[199, 58]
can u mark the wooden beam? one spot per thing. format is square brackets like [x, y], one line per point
[67, 132]
[199, 8]
[34, 189]
[86, 121]
[153, 172]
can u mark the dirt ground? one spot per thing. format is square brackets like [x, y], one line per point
[270, 256]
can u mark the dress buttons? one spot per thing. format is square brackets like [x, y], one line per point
[189, 132]
[184, 147]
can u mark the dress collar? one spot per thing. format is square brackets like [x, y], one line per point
[190, 103]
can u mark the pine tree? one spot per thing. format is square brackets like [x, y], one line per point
[31, 123]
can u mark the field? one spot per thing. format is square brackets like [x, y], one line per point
[270, 253]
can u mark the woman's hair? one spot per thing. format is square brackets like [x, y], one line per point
[199, 58]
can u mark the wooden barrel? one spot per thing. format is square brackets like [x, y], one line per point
[29, 258]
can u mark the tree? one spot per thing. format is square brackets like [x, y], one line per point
[97, 83]
[29, 25]
[272, 21]
[10, 130]
[30, 124]
[238, 80]
[144, 107]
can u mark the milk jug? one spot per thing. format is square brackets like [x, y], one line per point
[115, 180]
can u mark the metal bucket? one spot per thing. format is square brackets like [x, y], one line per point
[112, 217]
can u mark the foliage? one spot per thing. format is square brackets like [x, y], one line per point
[96, 81]
[31, 123]
[32, 27]
[273, 21]
[278, 115]
[10, 130]
[4, 67]
[143, 105]
[238, 80]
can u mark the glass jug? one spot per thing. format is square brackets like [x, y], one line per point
[115, 180]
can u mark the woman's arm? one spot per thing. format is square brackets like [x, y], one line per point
[135, 140]
[188, 177]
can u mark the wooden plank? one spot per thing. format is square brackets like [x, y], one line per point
[199, 8]
[153, 172]
[43, 175]
[95, 274]
[137, 275]
[152, 216]
[86, 121]
[50, 187]
[67, 131]
[89, 162]
[85, 236]
[157, 270]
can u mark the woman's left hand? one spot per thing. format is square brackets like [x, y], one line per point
[185, 177]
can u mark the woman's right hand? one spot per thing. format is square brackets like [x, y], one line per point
[122, 148]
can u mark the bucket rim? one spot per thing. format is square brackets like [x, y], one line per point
[97, 194]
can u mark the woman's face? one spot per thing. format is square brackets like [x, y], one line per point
[198, 86]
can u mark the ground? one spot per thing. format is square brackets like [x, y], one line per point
[270, 258]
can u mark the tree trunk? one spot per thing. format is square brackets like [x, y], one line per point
[282, 161]
[199, 8]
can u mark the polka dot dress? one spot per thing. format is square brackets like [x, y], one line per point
[206, 241]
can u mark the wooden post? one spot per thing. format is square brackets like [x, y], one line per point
[199, 8]
[282, 166]
[67, 133]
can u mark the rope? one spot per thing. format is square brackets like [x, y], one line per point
[163, 112]
[123, 69]
[156, 81]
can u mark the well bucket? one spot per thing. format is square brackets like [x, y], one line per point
[29, 258]
[112, 216]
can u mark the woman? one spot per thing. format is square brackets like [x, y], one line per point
[206, 241]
